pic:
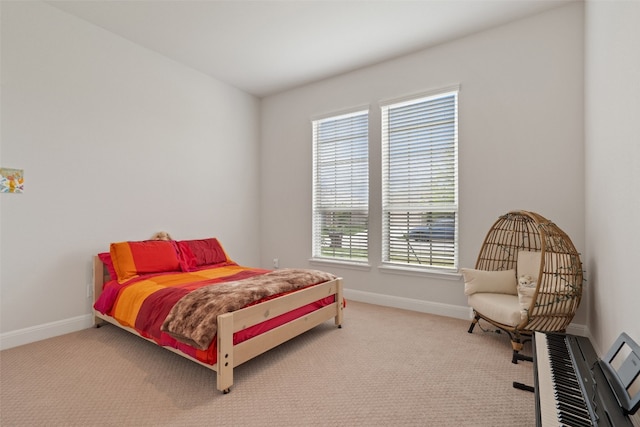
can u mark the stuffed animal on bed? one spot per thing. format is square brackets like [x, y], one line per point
[161, 235]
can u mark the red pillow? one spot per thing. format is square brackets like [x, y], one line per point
[105, 257]
[131, 259]
[196, 253]
[187, 259]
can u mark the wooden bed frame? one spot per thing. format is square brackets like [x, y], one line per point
[230, 356]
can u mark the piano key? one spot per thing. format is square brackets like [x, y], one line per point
[575, 400]
[568, 420]
[578, 411]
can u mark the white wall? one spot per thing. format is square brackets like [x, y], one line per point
[521, 146]
[116, 143]
[612, 117]
[114, 139]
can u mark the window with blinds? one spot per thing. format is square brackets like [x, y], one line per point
[341, 187]
[420, 181]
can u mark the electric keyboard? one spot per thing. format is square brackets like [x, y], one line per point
[575, 388]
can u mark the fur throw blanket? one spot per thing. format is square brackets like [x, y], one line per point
[194, 318]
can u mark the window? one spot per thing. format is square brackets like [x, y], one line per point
[420, 181]
[341, 187]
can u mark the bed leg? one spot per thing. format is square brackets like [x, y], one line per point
[224, 376]
[97, 322]
[340, 299]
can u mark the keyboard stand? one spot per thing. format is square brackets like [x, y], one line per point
[518, 385]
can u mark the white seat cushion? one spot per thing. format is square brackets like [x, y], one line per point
[502, 308]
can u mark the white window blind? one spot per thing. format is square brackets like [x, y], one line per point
[341, 187]
[420, 181]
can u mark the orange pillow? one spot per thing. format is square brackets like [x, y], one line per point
[131, 259]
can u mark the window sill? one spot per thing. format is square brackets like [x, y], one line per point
[345, 264]
[417, 271]
[390, 269]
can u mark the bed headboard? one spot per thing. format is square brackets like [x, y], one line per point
[100, 277]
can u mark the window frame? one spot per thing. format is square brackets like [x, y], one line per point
[389, 239]
[318, 238]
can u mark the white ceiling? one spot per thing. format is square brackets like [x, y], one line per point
[267, 46]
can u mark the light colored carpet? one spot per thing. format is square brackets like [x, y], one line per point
[385, 367]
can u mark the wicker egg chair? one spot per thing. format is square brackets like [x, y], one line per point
[558, 289]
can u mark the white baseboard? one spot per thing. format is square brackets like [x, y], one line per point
[61, 327]
[449, 310]
[41, 332]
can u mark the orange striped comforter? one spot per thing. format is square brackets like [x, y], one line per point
[144, 302]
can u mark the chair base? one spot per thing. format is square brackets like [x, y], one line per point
[517, 343]
[473, 324]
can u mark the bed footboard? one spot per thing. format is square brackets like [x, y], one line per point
[230, 356]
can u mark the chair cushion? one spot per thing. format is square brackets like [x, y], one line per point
[502, 282]
[528, 264]
[502, 308]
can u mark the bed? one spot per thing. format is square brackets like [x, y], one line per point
[191, 298]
